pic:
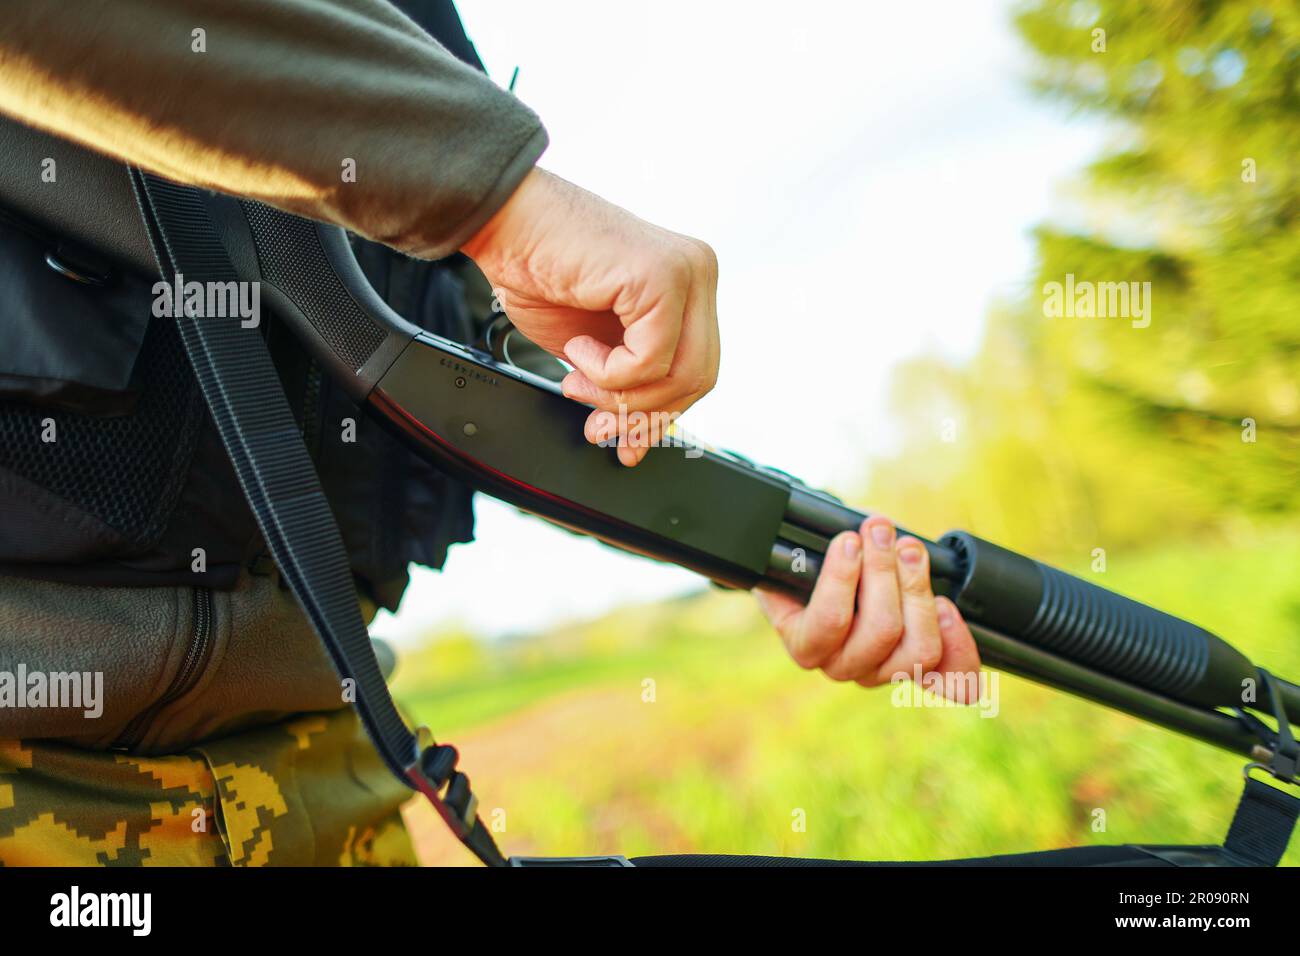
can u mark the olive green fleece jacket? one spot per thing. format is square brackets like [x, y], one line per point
[340, 110]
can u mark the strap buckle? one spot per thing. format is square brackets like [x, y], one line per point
[434, 774]
[1281, 746]
[1270, 770]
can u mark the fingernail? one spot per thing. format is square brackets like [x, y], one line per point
[910, 554]
[852, 547]
[943, 607]
[882, 535]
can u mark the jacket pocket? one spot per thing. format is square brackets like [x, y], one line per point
[71, 324]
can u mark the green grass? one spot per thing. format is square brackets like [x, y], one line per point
[739, 744]
[486, 697]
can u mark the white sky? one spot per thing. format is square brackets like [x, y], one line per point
[868, 174]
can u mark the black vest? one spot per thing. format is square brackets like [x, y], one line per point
[110, 470]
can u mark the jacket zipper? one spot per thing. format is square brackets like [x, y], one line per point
[196, 655]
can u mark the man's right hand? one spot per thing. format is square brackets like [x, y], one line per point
[632, 307]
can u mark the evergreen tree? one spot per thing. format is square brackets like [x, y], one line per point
[1076, 430]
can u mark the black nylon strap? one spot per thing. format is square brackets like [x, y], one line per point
[1261, 827]
[1266, 816]
[257, 427]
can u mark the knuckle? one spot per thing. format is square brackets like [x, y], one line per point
[678, 266]
[915, 586]
[803, 655]
[914, 580]
[833, 620]
[887, 675]
[885, 627]
[843, 572]
[707, 258]
[599, 376]
[880, 560]
[838, 672]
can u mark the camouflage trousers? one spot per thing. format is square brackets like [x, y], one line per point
[250, 758]
[308, 791]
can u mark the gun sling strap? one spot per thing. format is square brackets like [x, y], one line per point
[252, 415]
[275, 471]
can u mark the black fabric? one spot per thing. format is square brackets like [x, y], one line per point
[139, 481]
[440, 19]
[1261, 828]
[1260, 831]
[99, 416]
[132, 483]
[126, 471]
[1073, 856]
[49, 352]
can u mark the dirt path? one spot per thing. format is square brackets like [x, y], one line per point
[552, 738]
[609, 747]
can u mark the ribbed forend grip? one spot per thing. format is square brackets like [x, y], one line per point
[1111, 633]
[1089, 625]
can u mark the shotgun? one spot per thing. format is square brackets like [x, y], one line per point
[511, 434]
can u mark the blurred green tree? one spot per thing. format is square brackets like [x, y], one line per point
[1070, 432]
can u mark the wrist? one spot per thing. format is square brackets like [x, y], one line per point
[484, 244]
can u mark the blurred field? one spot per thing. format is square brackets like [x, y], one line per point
[1166, 443]
[564, 749]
